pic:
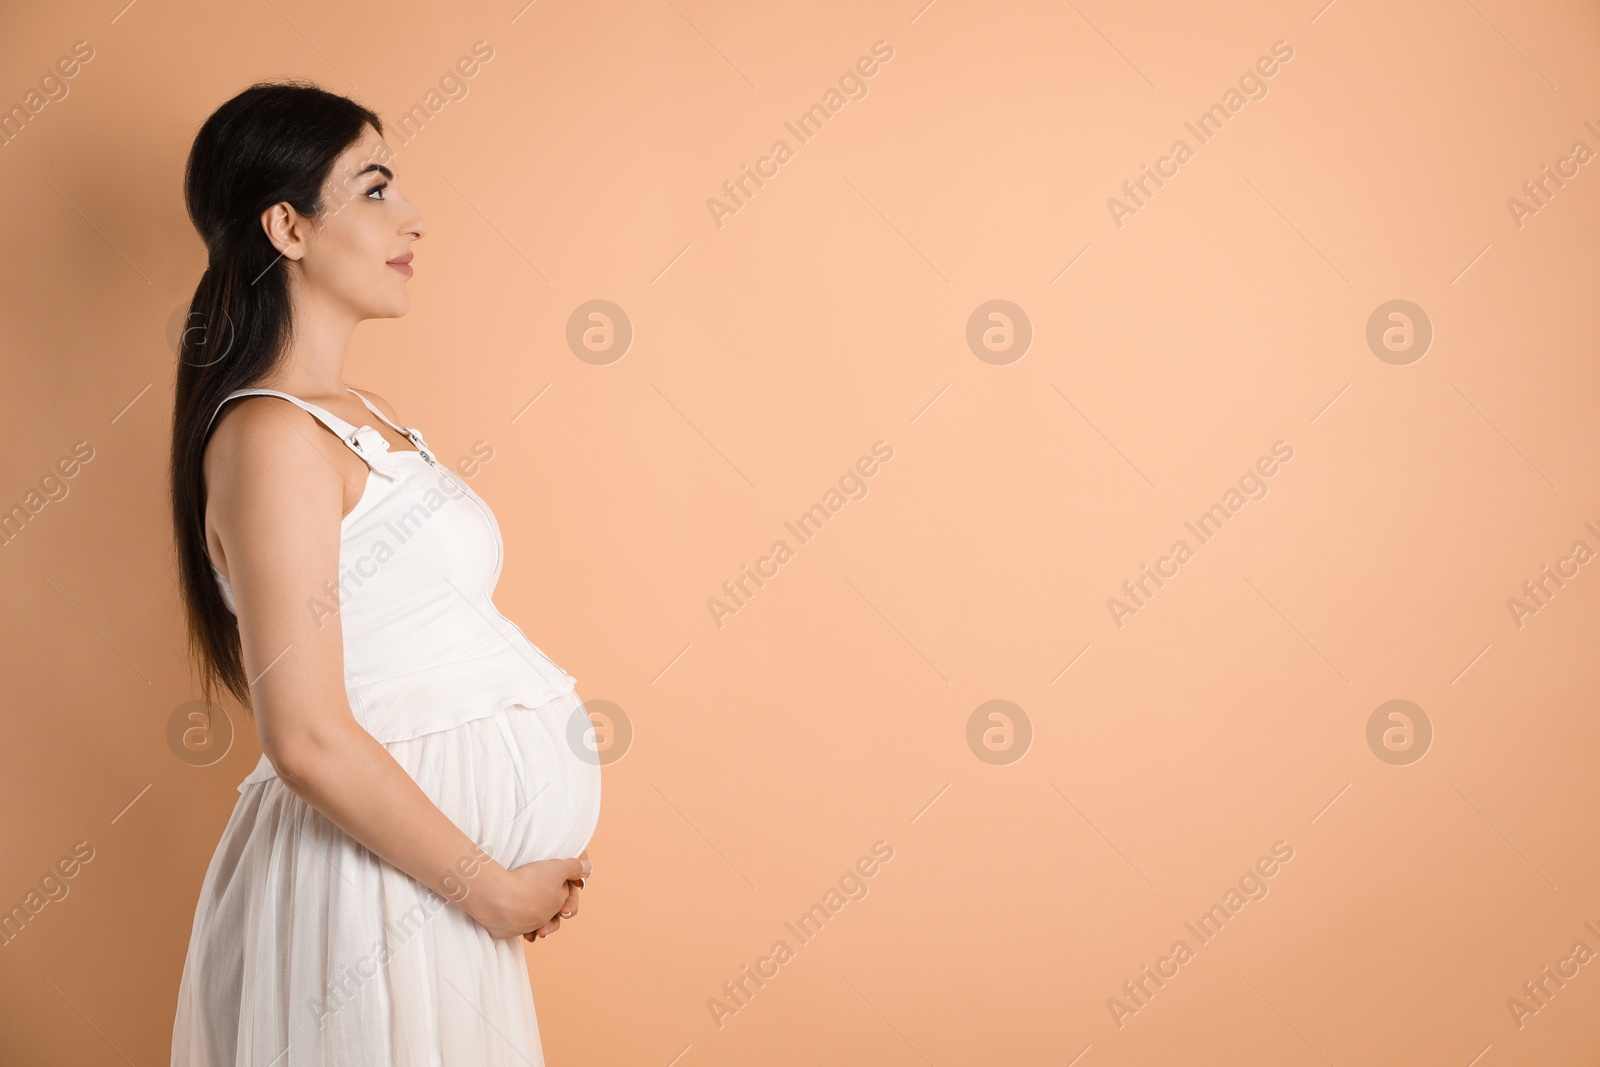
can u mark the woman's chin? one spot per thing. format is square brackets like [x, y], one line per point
[393, 308]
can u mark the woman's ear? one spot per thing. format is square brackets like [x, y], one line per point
[286, 229]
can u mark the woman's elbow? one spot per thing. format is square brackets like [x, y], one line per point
[308, 756]
[288, 764]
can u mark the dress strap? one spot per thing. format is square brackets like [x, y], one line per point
[405, 430]
[411, 432]
[364, 441]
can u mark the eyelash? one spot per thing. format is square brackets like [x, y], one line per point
[378, 189]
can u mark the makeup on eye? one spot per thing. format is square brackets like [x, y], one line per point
[381, 169]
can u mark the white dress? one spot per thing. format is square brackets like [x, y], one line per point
[309, 951]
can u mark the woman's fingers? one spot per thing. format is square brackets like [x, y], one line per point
[544, 931]
[569, 907]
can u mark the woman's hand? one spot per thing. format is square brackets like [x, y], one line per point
[568, 909]
[526, 897]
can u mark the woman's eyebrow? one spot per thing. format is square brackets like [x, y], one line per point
[379, 167]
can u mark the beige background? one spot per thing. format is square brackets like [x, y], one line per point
[828, 313]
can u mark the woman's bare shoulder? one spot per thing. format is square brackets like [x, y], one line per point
[276, 488]
[259, 439]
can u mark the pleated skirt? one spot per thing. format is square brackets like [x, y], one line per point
[309, 951]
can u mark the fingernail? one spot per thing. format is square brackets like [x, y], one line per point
[587, 866]
[566, 914]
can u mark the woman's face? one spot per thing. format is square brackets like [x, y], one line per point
[346, 256]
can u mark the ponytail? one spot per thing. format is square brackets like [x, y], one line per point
[272, 143]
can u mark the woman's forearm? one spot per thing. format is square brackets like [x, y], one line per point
[346, 774]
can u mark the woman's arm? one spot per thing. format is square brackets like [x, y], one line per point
[277, 485]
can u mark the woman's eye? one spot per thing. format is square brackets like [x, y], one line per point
[377, 189]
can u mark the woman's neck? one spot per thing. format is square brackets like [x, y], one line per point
[317, 347]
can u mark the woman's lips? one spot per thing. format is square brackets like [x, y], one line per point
[403, 268]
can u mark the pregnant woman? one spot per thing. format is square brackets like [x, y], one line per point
[428, 785]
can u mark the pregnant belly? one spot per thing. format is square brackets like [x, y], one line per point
[514, 782]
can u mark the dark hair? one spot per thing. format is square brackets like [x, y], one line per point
[274, 142]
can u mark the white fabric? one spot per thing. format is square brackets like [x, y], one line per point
[309, 951]
[419, 558]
